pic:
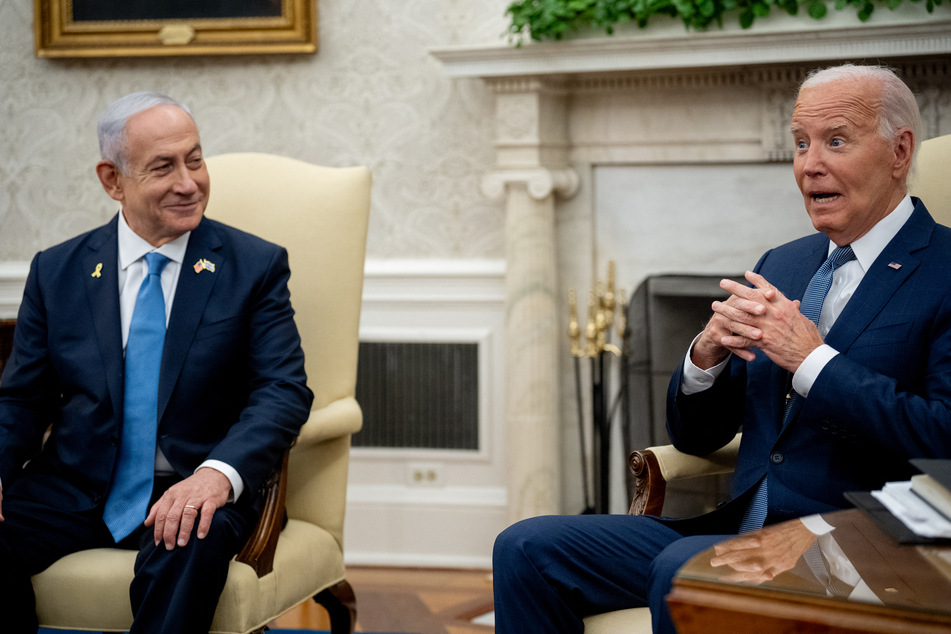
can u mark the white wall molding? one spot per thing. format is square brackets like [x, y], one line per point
[452, 520]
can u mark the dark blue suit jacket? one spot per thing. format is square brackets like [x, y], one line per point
[232, 384]
[884, 399]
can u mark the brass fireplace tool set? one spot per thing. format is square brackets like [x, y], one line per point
[603, 302]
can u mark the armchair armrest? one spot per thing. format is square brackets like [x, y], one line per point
[259, 550]
[654, 467]
[336, 419]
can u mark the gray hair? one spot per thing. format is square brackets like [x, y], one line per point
[899, 107]
[112, 123]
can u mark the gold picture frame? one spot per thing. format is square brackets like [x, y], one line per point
[135, 28]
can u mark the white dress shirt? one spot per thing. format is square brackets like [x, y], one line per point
[132, 270]
[845, 280]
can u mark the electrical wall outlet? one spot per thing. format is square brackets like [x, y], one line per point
[420, 474]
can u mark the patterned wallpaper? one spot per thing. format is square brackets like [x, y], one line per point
[372, 95]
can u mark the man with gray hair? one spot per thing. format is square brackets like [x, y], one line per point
[159, 358]
[835, 360]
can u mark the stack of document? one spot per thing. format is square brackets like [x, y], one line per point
[923, 504]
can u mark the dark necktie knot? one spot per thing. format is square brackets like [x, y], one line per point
[841, 255]
[821, 282]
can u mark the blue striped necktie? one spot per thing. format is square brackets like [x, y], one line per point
[132, 480]
[811, 307]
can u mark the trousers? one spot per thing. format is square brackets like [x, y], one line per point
[551, 572]
[172, 591]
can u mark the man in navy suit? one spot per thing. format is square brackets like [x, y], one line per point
[825, 407]
[231, 394]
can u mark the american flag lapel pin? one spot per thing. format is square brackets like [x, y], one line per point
[894, 265]
[204, 265]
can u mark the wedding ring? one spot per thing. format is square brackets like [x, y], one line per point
[189, 506]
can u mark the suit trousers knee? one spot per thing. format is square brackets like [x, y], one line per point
[551, 572]
[178, 590]
[173, 591]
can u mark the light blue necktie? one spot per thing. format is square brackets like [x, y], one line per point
[132, 480]
[811, 307]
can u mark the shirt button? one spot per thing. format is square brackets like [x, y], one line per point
[776, 458]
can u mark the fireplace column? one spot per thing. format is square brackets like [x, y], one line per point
[532, 169]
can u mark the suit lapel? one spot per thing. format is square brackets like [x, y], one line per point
[897, 261]
[100, 277]
[795, 288]
[191, 296]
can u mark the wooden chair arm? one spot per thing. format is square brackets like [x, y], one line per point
[654, 467]
[259, 550]
[650, 486]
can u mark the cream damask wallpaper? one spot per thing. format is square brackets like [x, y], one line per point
[372, 95]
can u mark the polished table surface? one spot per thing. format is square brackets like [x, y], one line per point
[783, 578]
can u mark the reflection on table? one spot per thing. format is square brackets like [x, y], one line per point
[814, 570]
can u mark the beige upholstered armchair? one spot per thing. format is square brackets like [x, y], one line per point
[320, 215]
[654, 467]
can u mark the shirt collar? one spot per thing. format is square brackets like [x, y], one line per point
[870, 246]
[133, 247]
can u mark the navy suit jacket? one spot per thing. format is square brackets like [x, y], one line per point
[232, 384]
[884, 399]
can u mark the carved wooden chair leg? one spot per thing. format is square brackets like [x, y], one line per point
[341, 605]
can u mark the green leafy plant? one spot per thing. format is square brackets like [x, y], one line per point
[553, 19]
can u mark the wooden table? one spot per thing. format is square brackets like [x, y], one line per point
[900, 588]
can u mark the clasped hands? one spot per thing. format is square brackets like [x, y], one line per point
[756, 317]
[197, 497]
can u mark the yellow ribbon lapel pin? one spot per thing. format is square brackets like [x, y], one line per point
[98, 271]
[204, 265]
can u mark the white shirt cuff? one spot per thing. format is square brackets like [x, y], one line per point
[816, 524]
[810, 368]
[237, 484]
[695, 379]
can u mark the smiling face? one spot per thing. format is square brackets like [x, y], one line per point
[165, 186]
[849, 176]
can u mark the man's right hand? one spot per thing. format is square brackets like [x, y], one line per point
[709, 349]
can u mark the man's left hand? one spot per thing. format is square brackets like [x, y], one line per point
[194, 498]
[778, 328]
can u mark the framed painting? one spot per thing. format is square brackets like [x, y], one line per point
[131, 28]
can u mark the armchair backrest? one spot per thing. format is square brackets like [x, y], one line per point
[931, 180]
[320, 215]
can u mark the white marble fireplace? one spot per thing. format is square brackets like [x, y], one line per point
[665, 152]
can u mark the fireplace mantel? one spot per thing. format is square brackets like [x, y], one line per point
[783, 40]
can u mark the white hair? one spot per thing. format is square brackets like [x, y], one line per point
[899, 109]
[112, 123]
